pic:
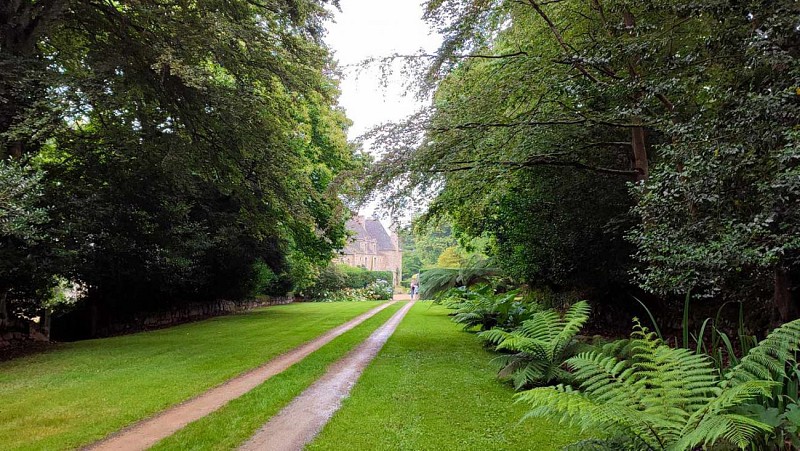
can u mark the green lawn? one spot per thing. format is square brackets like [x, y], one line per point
[232, 425]
[432, 387]
[82, 391]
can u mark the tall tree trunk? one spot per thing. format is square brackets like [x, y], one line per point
[638, 143]
[782, 296]
[4, 318]
[44, 322]
[94, 317]
[22, 24]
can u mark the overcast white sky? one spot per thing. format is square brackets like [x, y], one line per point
[374, 29]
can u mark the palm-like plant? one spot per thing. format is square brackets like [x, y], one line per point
[435, 281]
[539, 346]
[664, 398]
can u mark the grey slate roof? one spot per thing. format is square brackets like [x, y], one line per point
[367, 230]
[375, 230]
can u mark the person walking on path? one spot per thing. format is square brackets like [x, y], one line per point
[414, 287]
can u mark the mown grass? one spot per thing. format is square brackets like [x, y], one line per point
[433, 387]
[232, 425]
[82, 391]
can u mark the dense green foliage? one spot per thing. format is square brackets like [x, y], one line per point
[436, 246]
[341, 282]
[610, 143]
[24, 261]
[185, 151]
[670, 398]
[534, 342]
[480, 307]
[436, 282]
[423, 245]
[641, 393]
[439, 280]
[720, 211]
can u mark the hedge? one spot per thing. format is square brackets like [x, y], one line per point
[337, 277]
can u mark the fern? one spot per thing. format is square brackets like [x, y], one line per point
[768, 360]
[669, 399]
[539, 346]
[481, 308]
[485, 310]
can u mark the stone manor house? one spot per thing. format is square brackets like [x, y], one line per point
[372, 247]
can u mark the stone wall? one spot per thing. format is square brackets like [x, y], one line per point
[78, 325]
[20, 331]
[393, 261]
[192, 312]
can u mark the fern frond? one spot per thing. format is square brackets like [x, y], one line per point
[768, 360]
[529, 372]
[527, 348]
[575, 408]
[540, 344]
[437, 280]
[544, 325]
[728, 399]
[574, 319]
[603, 378]
[738, 430]
[666, 398]
[494, 336]
[468, 319]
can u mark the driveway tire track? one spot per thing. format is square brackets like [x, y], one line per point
[148, 432]
[300, 421]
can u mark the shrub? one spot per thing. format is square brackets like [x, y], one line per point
[380, 290]
[343, 295]
[342, 282]
[335, 277]
[360, 278]
[264, 280]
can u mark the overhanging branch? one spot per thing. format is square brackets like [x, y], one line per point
[486, 125]
[542, 160]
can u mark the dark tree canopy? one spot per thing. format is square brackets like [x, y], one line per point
[544, 113]
[183, 144]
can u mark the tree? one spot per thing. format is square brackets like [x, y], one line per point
[24, 273]
[450, 258]
[184, 144]
[720, 215]
[690, 103]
